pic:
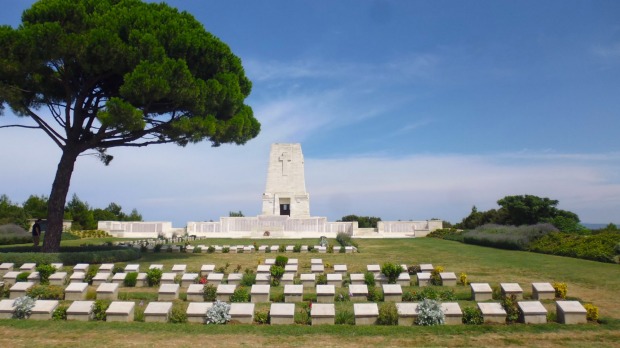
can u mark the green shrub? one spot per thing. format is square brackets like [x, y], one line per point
[388, 314]
[46, 292]
[22, 277]
[153, 276]
[463, 279]
[281, 260]
[99, 308]
[374, 295]
[369, 279]
[118, 269]
[209, 293]
[225, 250]
[276, 297]
[302, 314]
[414, 269]
[240, 294]
[447, 295]
[391, 271]
[210, 249]
[131, 279]
[430, 313]
[321, 279]
[511, 307]
[90, 274]
[598, 247]
[591, 312]
[345, 316]
[261, 317]
[248, 279]
[71, 255]
[561, 289]
[178, 314]
[436, 276]
[427, 293]
[330, 249]
[157, 248]
[276, 274]
[472, 316]
[45, 271]
[23, 307]
[197, 250]
[297, 248]
[409, 296]
[344, 239]
[447, 234]
[60, 313]
[507, 237]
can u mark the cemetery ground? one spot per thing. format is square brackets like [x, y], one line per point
[588, 281]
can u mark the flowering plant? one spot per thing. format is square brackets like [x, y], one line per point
[218, 313]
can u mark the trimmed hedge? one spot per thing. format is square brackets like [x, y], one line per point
[70, 255]
[507, 237]
[596, 247]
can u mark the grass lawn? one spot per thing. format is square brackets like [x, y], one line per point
[587, 281]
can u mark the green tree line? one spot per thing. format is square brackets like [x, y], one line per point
[84, 216]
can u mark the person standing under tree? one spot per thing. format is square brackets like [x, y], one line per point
[36, 232]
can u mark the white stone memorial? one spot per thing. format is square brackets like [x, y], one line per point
[260, 293]
[195, 293]
[80, 310]
[481, 291]
[242, 313]
[571, 312]
[358, 293]
[323, 314]
[392, 293]
[107, 291]
[325, 293]
[452, 312]
[7, 308]
[365, 313]
[197, 312]
[168, 292]
[543, 291]
[157, 312]
[532, 312]
[121, 311]
[76, 291]
[224, 291]
[293, 293]
[19, 289]
[509, 289]
[282, 313]
[407, 313]
[492, 312]
[43, 309]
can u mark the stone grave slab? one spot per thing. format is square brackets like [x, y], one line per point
[224, 291]
[426, 267]
[392, 293]
[187, 279]
[57, 265]
[282, 313]
[357, 278]
[242, 313]
[348, 249]
[157, 266]
[58, 278]
[358, 293]
[570, 312]
[292, 262]
[19, 289]
[106, 267]
[101, 277]
[7, 307]
[308, 279]
[289, 248]
[316, 261]
[205, 270]
[141, 280]
[28, 267]
[195, 293]
[274, 248]
[179, 269]
[34, 277]
[407, 313]
[381, 279]
[107, 291]
[365, 313]
[424, 279]
[290, 269]
[481, 292]
[448, 278]
[77, 277]
[43, 309]
[264, 279]
[189, 249]
[453, 313]
[260, 293]
[341, 269]
[10, 277]
[168, 292]
[6, 267]
[287, 279]
[262, 248]
[263, 269]
[325, 293]
[321, 249]
[81, 267]
[334, 279]
[80, 310]
[492, 312]
[375, 269]
[404, 279]
[543, 291]
[168, 278]
[121, 311]
[304, 249]
[270, 262]
[323, 314]
[119, 278]
[76, 291]
[215, 278]
[293, 293]
[132, 268]
[512, 289]
[532, 312]
[234, 278]
[197, 312]
[248, 249]
[157, 312]
[317, 269]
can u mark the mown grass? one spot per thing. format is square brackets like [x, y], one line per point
[587, 281]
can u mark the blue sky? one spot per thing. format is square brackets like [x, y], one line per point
[404, 109]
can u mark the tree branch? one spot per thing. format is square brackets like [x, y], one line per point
[19, 126]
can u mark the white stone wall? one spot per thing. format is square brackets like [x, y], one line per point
[409, 228]
[137, 229]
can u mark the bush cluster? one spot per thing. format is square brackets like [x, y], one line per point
[131, 279]
[430, 313]
[71, 255]
[346, 240]
[388, 314]
[447, 234]
[46, 292]
[591, 312]
[240, 294]
[218, 313]
[472, 316]
[561, 289]
[597, 247]
[392, 271]
[153, 276]
[507, 237]
[209, 293]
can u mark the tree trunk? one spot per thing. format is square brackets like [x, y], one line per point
[57, 200]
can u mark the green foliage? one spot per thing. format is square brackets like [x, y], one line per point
[281, 261]
[591, 312]
[597, 247]
[447, 234]
[210, 249]
[23, 307]
[46, 292]
[561, 289]
[362, 221]
[330, 249]
[261, 317]
[90, 274]
[345, 240]
[511, 307]
[45, 271]
[388, 314]
[281, 249]
[60, 313]
[99, 308]
[321, 279]
[236, 214]
[345, 316]
[131, 279]
[11, 212]
[374, 294]
[178, 314]
[276, 274]
[392, 271]
[463, 279]
[81, 214]
[71, 255]
[153, 276]
[472, 316]
[297, 248]
[369, 278]
[22, 277]
[436, 276]
[248, 279]
[414, 269]
[507, 237]
[430, 313]
[225, 250]
[209, 293]
[240, 294]
[302, 314]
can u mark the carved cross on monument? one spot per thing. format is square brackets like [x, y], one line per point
[285, 158]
